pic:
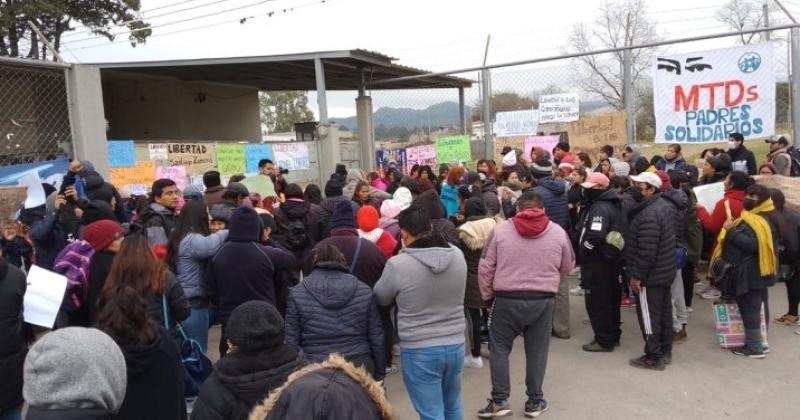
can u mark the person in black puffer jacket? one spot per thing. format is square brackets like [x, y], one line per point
[650, 260]
[297, 224]
[429, 200]
[259, 362]
[333, 195]
[331, 311]
[13, 340]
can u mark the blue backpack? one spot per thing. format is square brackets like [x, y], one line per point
[196, 365]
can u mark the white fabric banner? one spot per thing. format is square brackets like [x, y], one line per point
[291, 155]
[562, 107]
[516, 123]
[702, 97]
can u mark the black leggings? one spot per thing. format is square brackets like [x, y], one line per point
[687, 272]
[473, 316]
[388, 333]
[793, 291]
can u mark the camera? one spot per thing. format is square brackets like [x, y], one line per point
[283, 171]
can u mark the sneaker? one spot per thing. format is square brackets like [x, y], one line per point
[485, 353]
[494, 409]
[395, 350]
[745, 351]
[765, 349]
[391, 370]
[564, 335]
[689, 309]
[575, 271]
[576, 291]
[680, 336]
[788, 320]
[595, 347]
[711, 293]
[797, 332]
[535, 409]
[473, 362]
[648, 362]
[667, 358]
[190, 404]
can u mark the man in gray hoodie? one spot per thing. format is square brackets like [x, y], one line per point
[427, 282]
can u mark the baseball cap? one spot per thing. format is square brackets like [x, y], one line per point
[648, 178]
[594, 179]
[777, 139]
[238, 188]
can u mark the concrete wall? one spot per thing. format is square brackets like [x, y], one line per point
[145, 108]
[86, 112]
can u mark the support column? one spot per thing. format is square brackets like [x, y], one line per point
[488, 147]
[322, 99]
[627, 97]
[461, 117]
[87, 116]
[366, 137]
[329, 153]
[795, 84]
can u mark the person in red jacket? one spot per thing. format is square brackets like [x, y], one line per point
[735, 185]
[368, 221]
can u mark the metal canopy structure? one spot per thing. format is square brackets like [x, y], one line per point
[343, 70]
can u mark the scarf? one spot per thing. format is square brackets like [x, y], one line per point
[767, 263]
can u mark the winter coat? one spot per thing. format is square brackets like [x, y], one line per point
[392, 226]
[331, 311]
[628, 203]
[370, 262]
[713, 222]
[741, 249]
[333, 390]
[600, 217]
[99, 267]
[158, 222]
[744, 160]
[575, 201]
[176, 301]
[681, 203]
[321, 215]
[791, 251]
[18, 252]
[427, 282]
[429, 200]
[694, 229]
[490, 197]
[303, 210]
[556, 203]
[782, 161]
[223, 210]
[678, 164]
[49, 238]
[73, 414]
[244, 270]
[449, 197]
[155, 381]
[352, 179]
[213, 195]
[193, 253]
[472, 238]
[12, 338]
[240, 380]
[650, 243]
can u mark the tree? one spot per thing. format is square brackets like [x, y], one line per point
[620, 24]
[742, 15]
[505, 102]
[281, 110]
[55, 17]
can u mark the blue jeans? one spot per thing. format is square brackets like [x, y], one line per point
[432, 376]
[196, 326]
[12, 414]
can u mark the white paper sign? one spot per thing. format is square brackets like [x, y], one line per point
[562, 107]
[291, 155]
[704, 96]
[36, 195]
[158, 152]
[43, 296]
[709, 195]
[516, 123]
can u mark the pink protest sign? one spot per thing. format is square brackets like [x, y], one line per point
[545, 142]
[421, 155]
[175, 173]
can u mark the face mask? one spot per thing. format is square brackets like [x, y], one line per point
[749, 204]
[636, 193]
[731, 145]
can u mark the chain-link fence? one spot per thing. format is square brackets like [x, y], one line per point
[34, 114]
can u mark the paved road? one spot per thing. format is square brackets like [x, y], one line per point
[704, 380]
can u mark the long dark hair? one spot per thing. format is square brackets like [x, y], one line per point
[313, 194]
[193, 219]
[137, 266]
[123, 316]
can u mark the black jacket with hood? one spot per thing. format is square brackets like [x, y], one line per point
[599, 217]
[12, 338]
[304, 211]
[681, 203]
[650, 242]
[744, 156]
[429, 200]
[490, 197]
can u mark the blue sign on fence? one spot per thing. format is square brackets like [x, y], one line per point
[256, 152]
[121, 154]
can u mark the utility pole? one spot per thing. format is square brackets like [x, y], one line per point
[627, 86]
[765, 12]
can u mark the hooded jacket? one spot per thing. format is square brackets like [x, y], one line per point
[213, 195]
[741, 250]
[321, 214]
[371, 260]
[240, 380]
[556, 204]
[333, 390]
[243, 269]
[743, 159]
[678, 164]
[713, 222]
[155, 381]
[636, 152]
[449, 197]
[473, 236]
[429, 200]
[193, 252]
[299, 210]
[505, 268]
[353, 177]
[12, 338]
[331, 311]
[49, 238]
[599, 217]
[650, 242]
[782, 161]
[681, 203]
[490, 197]
[427, 282]
[158, 221]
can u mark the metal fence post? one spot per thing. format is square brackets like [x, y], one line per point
[627, 96]
[486, 89]
[795, 84]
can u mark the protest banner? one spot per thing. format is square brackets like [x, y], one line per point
[121, 154]
[453, 148]
[51, 172]
[196, 157]
[545, 142]
[512, 142]
[516, 123]
[231, 159]
[254, 153]
[43, 296]
[421, 155]
[175, 173]
[387, 157]
[11, 199]
[158, 154]
[291, 155]
[702, 97]
[709, 195]
[562, 107]
[592, 132]
[144, 173]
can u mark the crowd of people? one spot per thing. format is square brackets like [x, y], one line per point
[317, 293]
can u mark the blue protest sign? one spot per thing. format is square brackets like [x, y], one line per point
[121, 154]
[256, 152]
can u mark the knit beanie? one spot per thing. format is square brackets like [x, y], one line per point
[665, 182]
[343, 216]
[104, 192]
[245, 226]
[542, 168]
[368, 218]
[97, 210]
[333, 188]
[641, 164]
[73, 368]
[470, 178]
[255, 325]
[390, 209]
[474, 207]
[102, 233]
[621, 168]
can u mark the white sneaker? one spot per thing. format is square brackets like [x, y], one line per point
[576, 291]
[711, 294]
[575, 271]
[473, 362]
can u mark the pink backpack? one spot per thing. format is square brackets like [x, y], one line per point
[73, 263]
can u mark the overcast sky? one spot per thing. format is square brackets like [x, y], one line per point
[435, 35]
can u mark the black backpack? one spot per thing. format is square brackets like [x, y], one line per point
[296, 234]
[794, 155]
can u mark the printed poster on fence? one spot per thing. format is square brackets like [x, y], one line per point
[230, 159]
[175, 173]
[702, 97]
[387, 157]
[421, 155]
[292, 156]
[547, 143]
[592, 132]
[121, 153]
[454, 148]
[196, 157]
[562, 107]
[137, 179]
[516, 123]
[158, 153]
